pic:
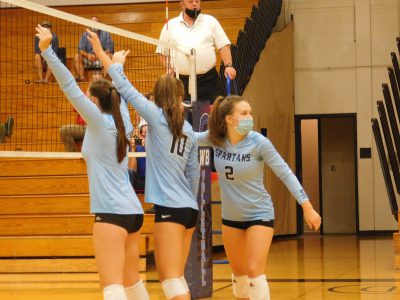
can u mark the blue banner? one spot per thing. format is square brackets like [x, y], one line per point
[198, 271]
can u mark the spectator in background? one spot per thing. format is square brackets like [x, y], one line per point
[86, 58]
[72, 134]
[40, 63]
[137, 166]
[139, 120]
[6, 129]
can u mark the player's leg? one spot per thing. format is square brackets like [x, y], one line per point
[71, 133]
[232, 237]
[169, 236]
[258, 242]
[187, 241]
[109, 246]
[134, 287]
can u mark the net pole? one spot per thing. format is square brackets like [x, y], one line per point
[166, 13]
[193, 76]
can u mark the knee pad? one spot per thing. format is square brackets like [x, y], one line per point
[173, 287]
[137, 291]
[114, 292]
[259, 289]
[240, 286]
[183, 280]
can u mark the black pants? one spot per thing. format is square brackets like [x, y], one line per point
[208, 87]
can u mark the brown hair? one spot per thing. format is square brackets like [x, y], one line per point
[167, 91]
[109, 102]
[223, 106]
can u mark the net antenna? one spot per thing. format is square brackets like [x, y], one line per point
[40, 109]
[168, 65]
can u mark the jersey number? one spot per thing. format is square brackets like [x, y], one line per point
[180, 149]
[229, 173]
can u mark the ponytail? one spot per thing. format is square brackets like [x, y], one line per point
[122, 140]
[217, 126]
[109, 101]
[168, 95]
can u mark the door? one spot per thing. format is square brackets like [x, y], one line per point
[338, 180]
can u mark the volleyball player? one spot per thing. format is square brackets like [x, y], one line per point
[118, 213]
[247, 209]
[172, 170]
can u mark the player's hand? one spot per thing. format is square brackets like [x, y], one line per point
[95, 42]
[313, 219]
[44, 36]
[120, 57]
[231, 72]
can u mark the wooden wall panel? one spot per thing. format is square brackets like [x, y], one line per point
[270, 93]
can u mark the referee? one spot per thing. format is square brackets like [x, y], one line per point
[193, 29]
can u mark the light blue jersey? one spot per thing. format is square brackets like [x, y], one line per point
[109, 185]
[241, 177]
[172, 168]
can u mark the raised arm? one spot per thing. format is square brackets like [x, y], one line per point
[86, 108]
[55, 44]
[147, 109]
[126, 118]
[108, 43]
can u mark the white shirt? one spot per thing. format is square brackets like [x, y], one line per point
[205, 35]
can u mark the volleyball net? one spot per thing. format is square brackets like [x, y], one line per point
[33, 109]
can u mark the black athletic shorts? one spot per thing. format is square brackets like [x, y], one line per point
[248, 224]
[185, 216]
[131, 223]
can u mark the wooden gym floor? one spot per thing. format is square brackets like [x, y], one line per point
[311, 267]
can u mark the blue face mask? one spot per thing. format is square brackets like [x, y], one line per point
[245, 126]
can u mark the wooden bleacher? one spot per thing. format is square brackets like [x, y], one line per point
[45, 217]
[45, 224]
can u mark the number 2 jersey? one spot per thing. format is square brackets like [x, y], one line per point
[172, 167]
[241, 177]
